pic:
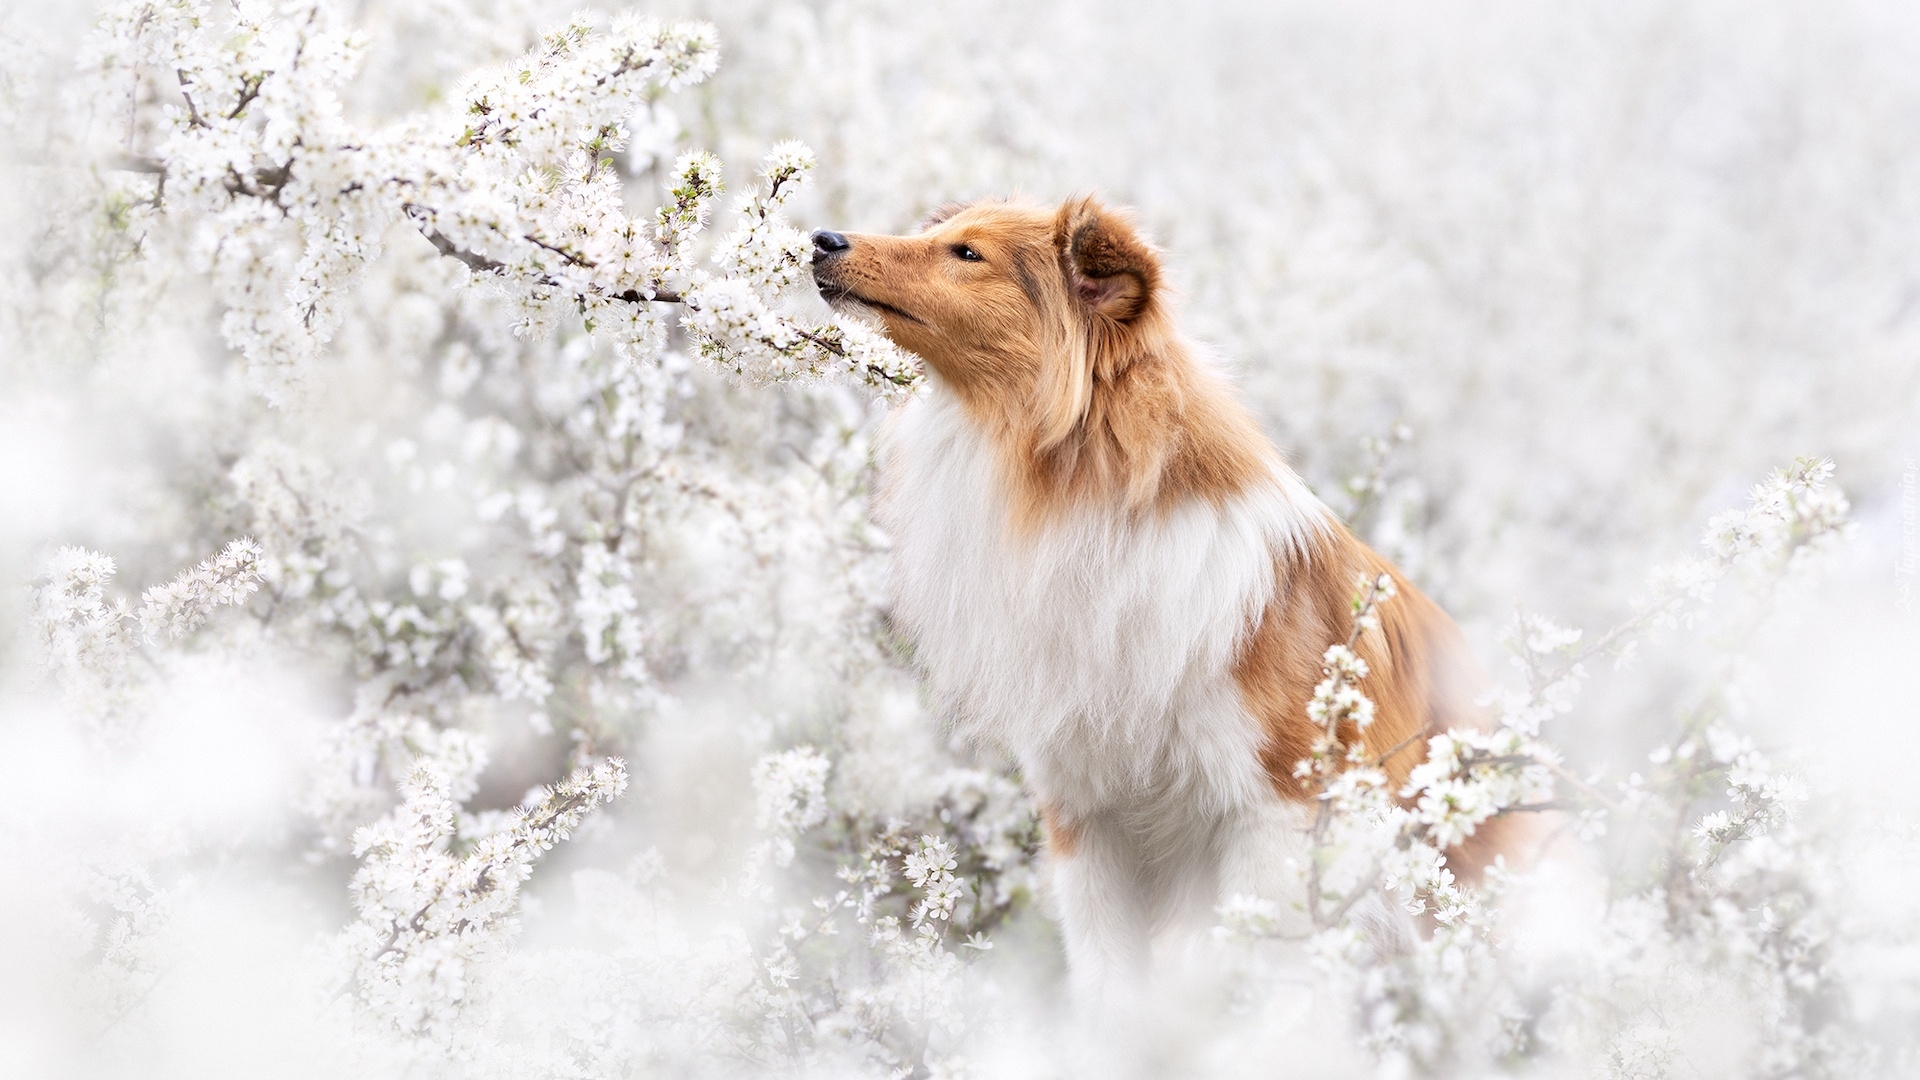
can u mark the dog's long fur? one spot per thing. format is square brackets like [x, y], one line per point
[1106, 568]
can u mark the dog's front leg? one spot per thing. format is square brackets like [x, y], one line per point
[1106, 914]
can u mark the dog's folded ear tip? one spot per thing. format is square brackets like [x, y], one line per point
[1079, 213]
[1115, 271]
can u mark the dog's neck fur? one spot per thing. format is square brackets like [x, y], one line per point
[1155, 431]
[1044, 593]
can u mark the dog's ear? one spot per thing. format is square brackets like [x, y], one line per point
[1110, 269]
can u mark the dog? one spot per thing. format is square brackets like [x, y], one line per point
[1104, 567]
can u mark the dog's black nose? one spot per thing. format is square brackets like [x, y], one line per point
[827, 244]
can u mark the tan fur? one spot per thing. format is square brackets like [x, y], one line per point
[1062, 835]
[1421, 671]
[1059, 343]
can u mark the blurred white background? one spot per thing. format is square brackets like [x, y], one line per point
[1585, 271]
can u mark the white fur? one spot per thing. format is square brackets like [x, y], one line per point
[1099, 653]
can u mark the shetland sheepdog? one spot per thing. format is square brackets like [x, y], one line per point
[1105, 568]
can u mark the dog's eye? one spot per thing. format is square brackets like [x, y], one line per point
[965, 252]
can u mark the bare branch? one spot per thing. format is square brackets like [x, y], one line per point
[476, 262]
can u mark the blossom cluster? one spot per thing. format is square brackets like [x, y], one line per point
[1720, 885]
[426, 913]
[88, 640]
[284, 200]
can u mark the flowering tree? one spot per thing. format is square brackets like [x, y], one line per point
[553, 490]
[232, 154]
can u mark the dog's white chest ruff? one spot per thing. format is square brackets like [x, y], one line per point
[1099, 649]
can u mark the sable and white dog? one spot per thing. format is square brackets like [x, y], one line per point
[1107, 569]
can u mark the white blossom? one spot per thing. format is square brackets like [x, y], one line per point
[790, 790]
[427, 913]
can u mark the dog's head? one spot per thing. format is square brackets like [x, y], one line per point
[1020, 309]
